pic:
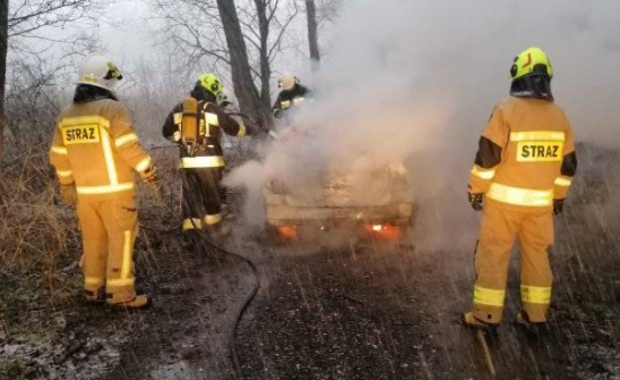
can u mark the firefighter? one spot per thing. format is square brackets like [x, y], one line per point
[196, 125]
[524, 166]
[94, 151]
[292, 94]
[227, 102]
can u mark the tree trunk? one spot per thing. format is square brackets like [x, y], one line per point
[4, 45]
[265, 66]
[249, 99]
[313, 35]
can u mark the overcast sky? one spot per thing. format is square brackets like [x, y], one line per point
[128, 35]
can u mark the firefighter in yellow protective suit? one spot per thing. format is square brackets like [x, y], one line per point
[196, 125]
[523, 169]
[94, 151]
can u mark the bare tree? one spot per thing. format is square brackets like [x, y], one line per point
[240, 65]
[29, 16]
[313, 34]
[328, 11]
[27, 20]
[207, 40]
[258, 31]
[4, 44]
[263, 48]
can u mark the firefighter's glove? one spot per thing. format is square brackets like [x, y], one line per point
[68, 194]
[558, 206]
[273, 134]
[151, 178]
[475, 200]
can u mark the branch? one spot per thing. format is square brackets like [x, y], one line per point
[282, 31]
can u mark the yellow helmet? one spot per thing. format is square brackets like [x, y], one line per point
[531, 61]
[210, 83]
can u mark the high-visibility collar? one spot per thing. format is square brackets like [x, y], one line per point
[202, 162]
[520, 196]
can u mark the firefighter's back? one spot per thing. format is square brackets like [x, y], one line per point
[538, 136]
[93, 150]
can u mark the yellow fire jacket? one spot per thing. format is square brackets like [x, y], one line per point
[96, 147]
[526, 155]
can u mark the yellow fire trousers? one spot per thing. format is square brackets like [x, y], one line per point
[499, 229]
[109, 228]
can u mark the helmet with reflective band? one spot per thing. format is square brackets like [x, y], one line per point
[533, 61]
[210, 83]
[99, 71]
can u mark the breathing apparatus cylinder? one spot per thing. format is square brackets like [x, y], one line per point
[189, 124]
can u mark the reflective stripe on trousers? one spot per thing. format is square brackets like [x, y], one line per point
[195, 223]
[126, 277]
[536, 295]
[489, 297]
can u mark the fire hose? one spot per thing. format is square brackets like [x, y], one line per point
[192, 202]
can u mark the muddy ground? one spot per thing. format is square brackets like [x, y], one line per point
[361, 311]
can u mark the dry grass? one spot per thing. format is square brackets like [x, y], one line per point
[40, 242]
[36, 234]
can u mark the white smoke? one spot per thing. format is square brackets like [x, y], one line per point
[415, 81]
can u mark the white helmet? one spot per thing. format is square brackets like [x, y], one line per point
[99, 71]
[287, 82]
[222, 98]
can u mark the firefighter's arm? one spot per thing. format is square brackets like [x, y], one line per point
[229, 125]
[170, 129]
[569, 167]
[277, 109]
[59, 158]
[126, 141]
[489, 156]
[305, 91]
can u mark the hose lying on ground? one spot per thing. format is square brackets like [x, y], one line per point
[192, 201]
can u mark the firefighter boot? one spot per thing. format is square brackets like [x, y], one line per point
[469, 320]
[139, 302]
[219, 232]
[540, 329]
[94, 297]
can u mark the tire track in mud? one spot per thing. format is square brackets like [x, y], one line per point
[338, 314]
[394, 314]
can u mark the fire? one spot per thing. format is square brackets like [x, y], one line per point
[385, 231]
[288, 232]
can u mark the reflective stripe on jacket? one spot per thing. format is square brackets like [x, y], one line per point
[96, 147]
[526, 155]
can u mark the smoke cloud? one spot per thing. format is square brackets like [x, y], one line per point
[415, 82]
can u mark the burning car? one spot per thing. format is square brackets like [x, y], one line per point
[380, 205]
